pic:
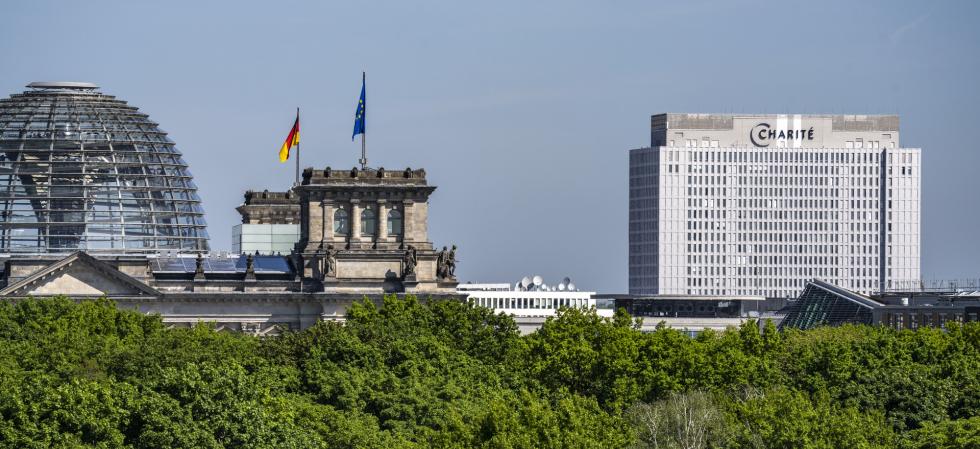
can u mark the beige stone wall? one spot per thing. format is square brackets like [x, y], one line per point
[426, 270]
[137, 269]
[315, 224]
[417, 221]
[22, 270]
[81, 280]
[376, 269]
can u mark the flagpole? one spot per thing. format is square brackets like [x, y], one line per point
[363, 152]
[297, 149]
[363, 160]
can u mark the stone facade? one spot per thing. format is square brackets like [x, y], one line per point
[366, 222]
[336, 262]
[270, 208]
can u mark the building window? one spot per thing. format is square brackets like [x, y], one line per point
[341, 222]
[368, 222]
[394, 222]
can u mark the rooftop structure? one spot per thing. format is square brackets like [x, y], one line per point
[825, 304]
[362, 229]
[690, 313]
[773, 130]
[83, 170]
[270, 208]
[270, 223]
[531, 301]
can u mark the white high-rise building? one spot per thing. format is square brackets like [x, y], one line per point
[759, 204]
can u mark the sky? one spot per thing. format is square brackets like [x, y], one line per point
[521, 112]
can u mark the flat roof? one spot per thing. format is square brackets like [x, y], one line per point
[681, 297]
[62, 85]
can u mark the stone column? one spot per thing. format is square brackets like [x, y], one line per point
[355, 220]
[327, 233]
[420, 219]
[382, 234]
[407, 214]
[310, 225]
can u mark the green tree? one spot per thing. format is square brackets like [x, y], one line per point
[410, 373]
[784, 418]
[956, 434]
[683, 421]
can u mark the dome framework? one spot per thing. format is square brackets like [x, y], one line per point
[82, 170]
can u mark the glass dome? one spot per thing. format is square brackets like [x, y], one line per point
[82, 170]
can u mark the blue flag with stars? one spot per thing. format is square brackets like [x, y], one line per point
[360, 115]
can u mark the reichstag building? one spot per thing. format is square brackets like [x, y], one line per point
[97, 201]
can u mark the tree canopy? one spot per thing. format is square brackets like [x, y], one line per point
[449, 374]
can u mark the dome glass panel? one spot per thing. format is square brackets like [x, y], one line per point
[82, 170]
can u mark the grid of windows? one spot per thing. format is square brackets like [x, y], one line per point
[81, 170]
[708, 220]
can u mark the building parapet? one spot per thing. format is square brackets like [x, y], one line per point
[267, 207]
[389, 178]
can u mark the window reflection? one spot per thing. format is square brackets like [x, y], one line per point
[368, 222]
[394, 222]
[341, 222]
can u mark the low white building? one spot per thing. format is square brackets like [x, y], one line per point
[530, 302]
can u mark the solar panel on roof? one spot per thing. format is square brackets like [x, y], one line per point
[277, 264]
[219, 265]
[271, 263]
[162, 264]
[268, 264]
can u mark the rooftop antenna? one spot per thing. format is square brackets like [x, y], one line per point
[564, 284]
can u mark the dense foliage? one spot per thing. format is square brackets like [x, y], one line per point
[447, 374]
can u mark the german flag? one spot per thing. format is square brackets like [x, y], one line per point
[292, 140]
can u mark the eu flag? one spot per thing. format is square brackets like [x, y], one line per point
[360, 115]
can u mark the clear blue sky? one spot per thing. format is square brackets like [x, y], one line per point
[521, 112]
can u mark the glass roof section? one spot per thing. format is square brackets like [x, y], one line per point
[82, 170]
[822, 304]
[261, 264]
